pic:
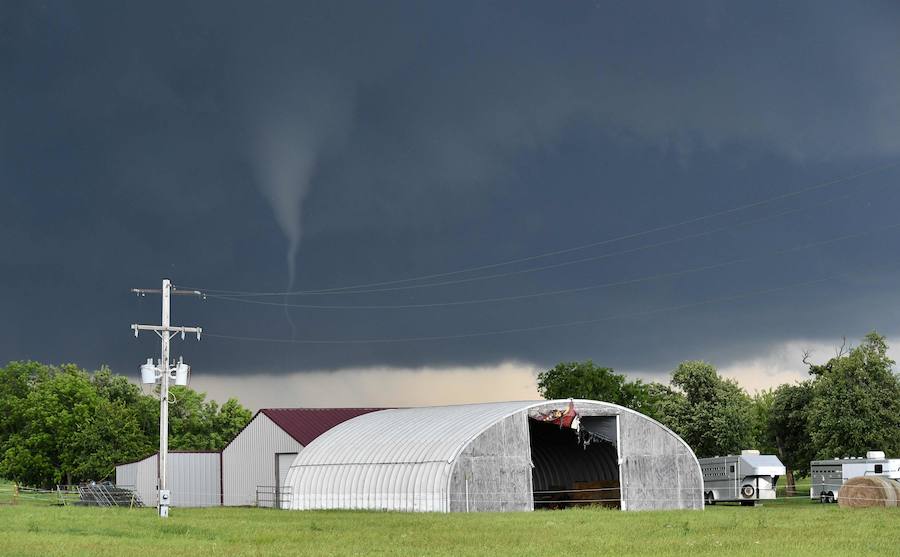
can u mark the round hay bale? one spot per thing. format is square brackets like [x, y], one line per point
[869, 491]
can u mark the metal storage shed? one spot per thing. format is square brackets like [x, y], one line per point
[255, 463]
[504, 456]
[193, 478]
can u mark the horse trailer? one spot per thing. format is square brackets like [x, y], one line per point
[829, 475]
[745, 478]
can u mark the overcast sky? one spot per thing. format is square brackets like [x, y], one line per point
[727, 173]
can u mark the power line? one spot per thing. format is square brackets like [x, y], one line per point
[692, 220]
[544, 327]
[546, 267]
[540, 268]
[568, 290]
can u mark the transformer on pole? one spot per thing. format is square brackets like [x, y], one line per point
[163, 373]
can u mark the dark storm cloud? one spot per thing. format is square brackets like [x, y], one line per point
[213, 142]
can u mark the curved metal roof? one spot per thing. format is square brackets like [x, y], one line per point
[405, 435]
[403, 458]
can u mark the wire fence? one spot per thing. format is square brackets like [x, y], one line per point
[100, 495]
[269, 497]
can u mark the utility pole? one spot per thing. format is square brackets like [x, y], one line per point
[150, 374]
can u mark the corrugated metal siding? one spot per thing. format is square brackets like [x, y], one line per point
[404, 460]
[659, 470]
[193, 479]
[393, 459]
[249, 460]
[493, 473]
[142, 475]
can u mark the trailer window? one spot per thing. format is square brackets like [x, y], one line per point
[731, 468]
[878, 469]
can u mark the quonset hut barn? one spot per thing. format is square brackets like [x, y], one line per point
[504, 456]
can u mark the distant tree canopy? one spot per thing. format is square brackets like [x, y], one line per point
[65, 425]
[855, 404]
[788, 429]
[588, 381]
[714, 415]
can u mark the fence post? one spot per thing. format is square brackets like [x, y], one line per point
[15, 498]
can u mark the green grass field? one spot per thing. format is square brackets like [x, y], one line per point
[794, 527]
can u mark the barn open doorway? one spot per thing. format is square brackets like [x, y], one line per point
[575, 467]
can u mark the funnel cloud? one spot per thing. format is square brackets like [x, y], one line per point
[290, 132]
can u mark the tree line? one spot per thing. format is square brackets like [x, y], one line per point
[846, 406]
[63, 424]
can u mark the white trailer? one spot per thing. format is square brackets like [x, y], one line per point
[829, 475]
[746, 478]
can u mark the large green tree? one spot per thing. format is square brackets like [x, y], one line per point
[855, 405]
[16, 381]
[788, 428]
[68, 432]
[64, 425]
[198, 424]
[761, 404]
[712, 414]
[589, 381]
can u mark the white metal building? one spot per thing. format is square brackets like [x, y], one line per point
[194, 478]
[250, 470]
[503, 456]
[256, 462]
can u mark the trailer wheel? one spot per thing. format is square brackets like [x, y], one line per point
[710, 499]
[823, 498]
[831, 498]
[747, 491]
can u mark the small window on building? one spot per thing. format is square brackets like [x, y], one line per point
[878, 468]
[731, 468]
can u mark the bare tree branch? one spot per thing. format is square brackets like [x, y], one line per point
[806, 355]
[840, 351]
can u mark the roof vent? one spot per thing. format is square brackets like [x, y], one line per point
[750, 452]
[875, 454]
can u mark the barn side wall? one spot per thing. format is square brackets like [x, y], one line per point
[658, 470]
[497, 465]
[194, 479]
[249, 460]
[140, 475]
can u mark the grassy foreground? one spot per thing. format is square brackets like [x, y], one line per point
[798, 528]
